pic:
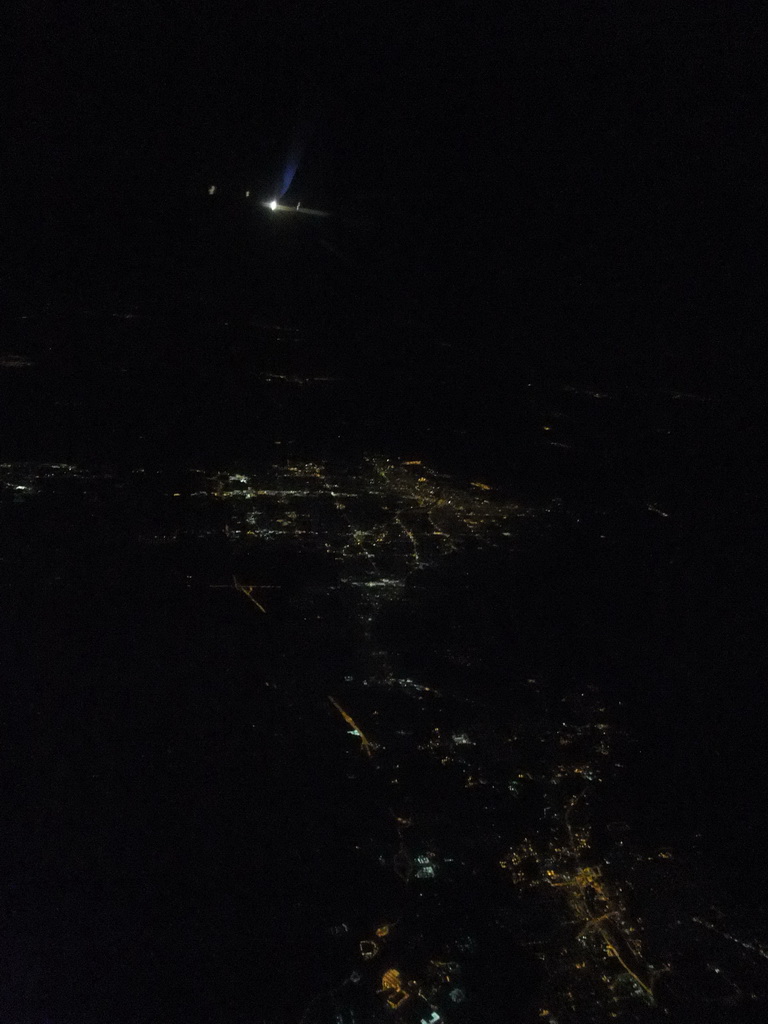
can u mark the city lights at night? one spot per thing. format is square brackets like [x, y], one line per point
[381, 573]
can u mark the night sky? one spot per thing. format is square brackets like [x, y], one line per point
[596, 167]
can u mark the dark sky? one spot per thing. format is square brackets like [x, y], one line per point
[612, 148]
[569, 89]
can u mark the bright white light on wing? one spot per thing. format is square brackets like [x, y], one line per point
[283, 209]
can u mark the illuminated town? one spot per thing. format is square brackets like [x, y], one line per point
[479, 832]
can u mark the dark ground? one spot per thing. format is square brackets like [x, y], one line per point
[169, 827]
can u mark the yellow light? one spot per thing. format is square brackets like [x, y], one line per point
[273, 205]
